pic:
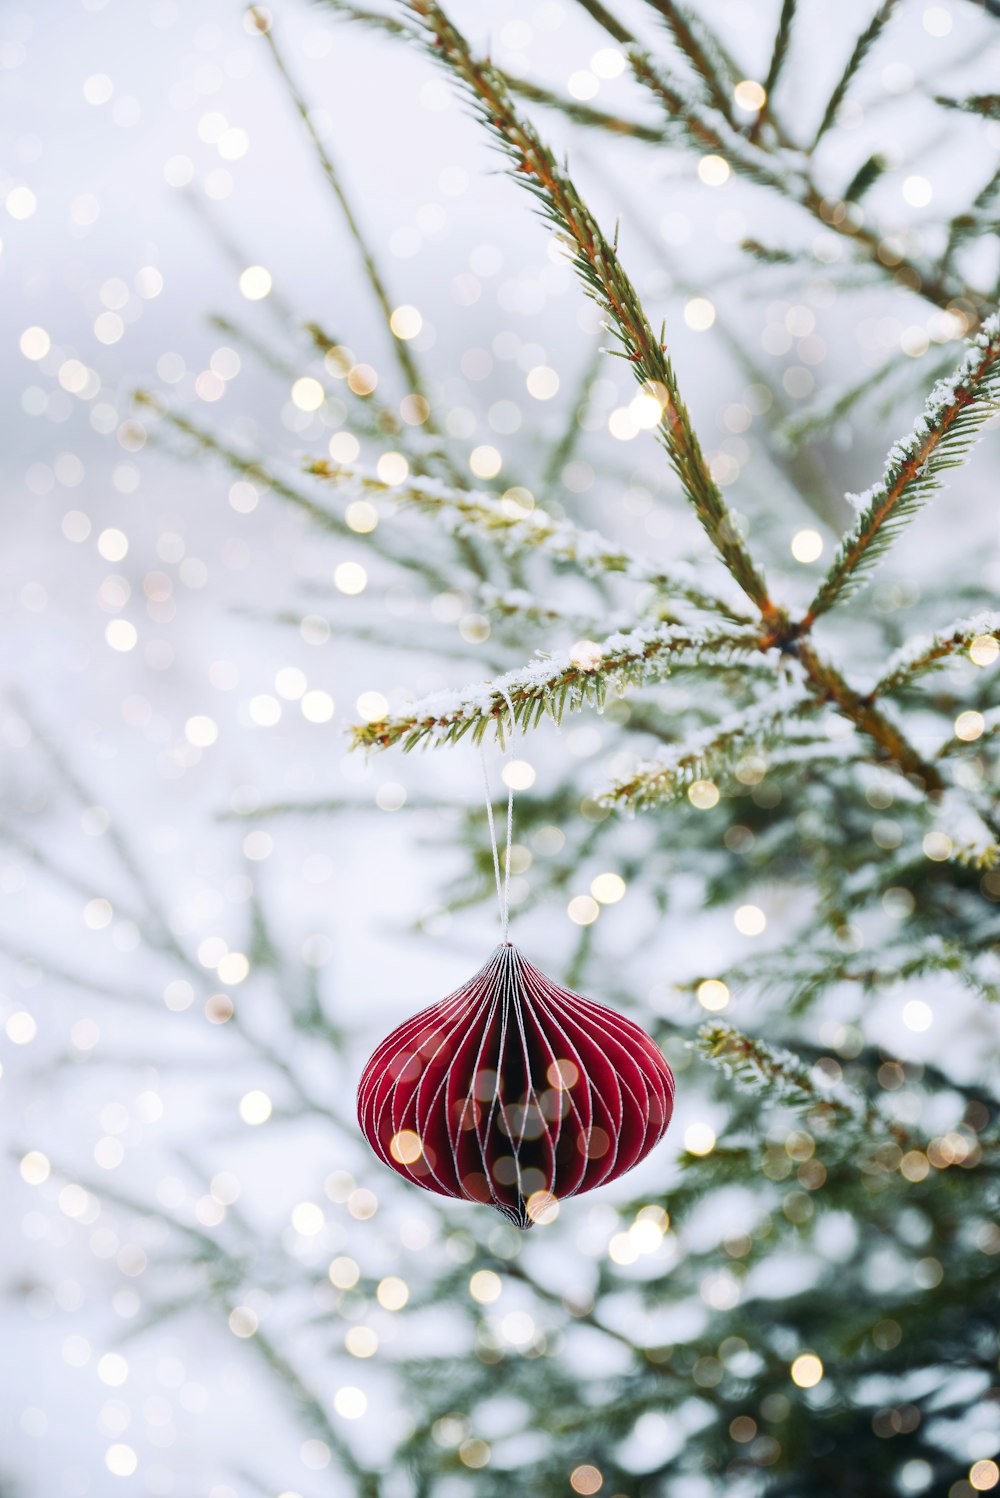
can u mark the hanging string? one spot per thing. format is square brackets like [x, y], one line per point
[503, 884]
[493, 835]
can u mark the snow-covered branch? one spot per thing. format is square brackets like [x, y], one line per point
[942, 437]
[705, 756]
[921, 654]
[552, 685]
[755, 1066]
[517, 528]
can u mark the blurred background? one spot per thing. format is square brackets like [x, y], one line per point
[211, 910]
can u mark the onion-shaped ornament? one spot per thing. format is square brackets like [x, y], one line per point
[515, 1092]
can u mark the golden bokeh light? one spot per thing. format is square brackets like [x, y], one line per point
[406, 1147]
[713, 995]
[608, 889]
[255, 283]
[806, 1370]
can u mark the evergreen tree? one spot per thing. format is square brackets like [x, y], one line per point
[797, 1294]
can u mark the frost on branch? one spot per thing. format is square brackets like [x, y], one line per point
[554, 684]
[942, 437]
[760, 1068]
[604, 280]
[518, 529]
[924, 652]
[712, 752]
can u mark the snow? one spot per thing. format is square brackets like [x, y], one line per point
[940, 401]
[133, 847]
[986, 622]
[472, 509]
[632, 655]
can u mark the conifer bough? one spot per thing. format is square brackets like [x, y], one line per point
[767, 156]
[942, 437]
[759, 1067]
[517, 528]
[551, 684]
[953, 416]
[597, 263]
[867, 906]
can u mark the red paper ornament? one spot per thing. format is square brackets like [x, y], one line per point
[515, 1092]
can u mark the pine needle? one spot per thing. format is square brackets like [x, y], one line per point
[779, 51]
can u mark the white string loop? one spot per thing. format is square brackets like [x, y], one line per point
[503, 884]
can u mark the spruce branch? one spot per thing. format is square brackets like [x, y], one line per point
[779, 52]
[368, 412]
[709, 129]
[801, 973]
[958, 745]
[780, 170]
[979, 219]
[711, 755]
[941, 439]
[768, 254]
[401, 349]
[225, 1273]
[276, 306]
[597, 264]
[247, 465]
[985, 105]
[525, 88]
[935, 285]
[701, 125]
[828, 685]
[369, 415]
[519, 604]
[521, 531]
[976, 856]
[266, 356]
[376, 417]
[150, 911]
[827, 410]
[376, 19]
[552, 685]
[762, 1069]
[252, 467]
[703, 52]
[862, 47]
[562, 449]
[705, 129]
[603, 17]
[867, 174]
[920, 655]
[583, 114]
